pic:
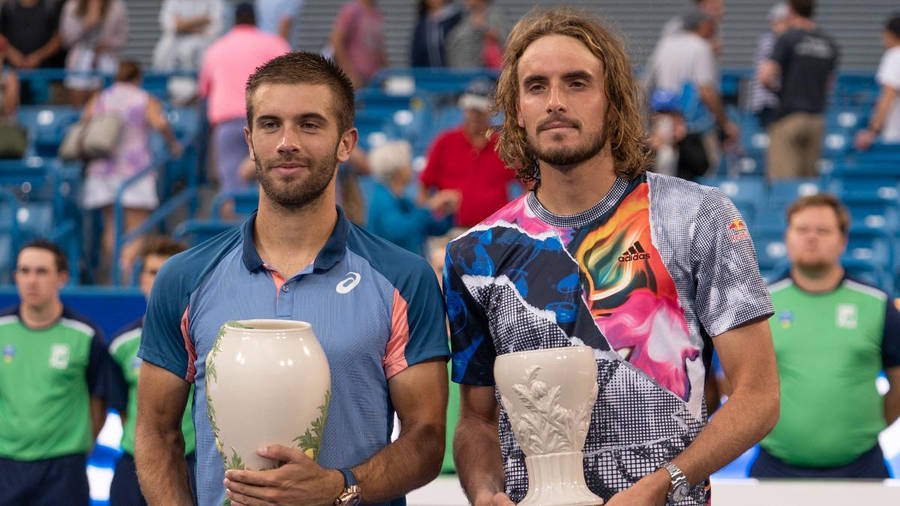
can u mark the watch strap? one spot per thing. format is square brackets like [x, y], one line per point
[349, 478]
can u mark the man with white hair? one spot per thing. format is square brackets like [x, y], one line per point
[465, 159]
[396, 217]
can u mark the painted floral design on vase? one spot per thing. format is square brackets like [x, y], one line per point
[549, 395]
[267, 382]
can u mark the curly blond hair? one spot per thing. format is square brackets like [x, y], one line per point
[625, 126]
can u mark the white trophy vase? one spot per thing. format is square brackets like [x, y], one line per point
[549, 395]
[267, 382]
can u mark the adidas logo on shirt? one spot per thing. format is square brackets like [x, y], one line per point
[635, 252]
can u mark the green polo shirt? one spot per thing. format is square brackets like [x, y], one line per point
[47, 377]
[830, 349]
[124, 349]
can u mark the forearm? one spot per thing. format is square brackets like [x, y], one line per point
[49, 49]
[476, 452]
[98, 416]
[740, 423]
[713, 102]
[892, 405]
[408, 463]
[882, 106]
[161, 467]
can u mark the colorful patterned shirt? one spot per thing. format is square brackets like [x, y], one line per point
[645, 277]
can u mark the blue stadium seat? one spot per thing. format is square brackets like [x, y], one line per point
[784, 191]
[245, 202]
[747, 193]
[194, 232]
[434, 80]
[770, 249]
[47, 126]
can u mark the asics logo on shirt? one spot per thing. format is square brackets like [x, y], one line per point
[347, 284]
[635, 252]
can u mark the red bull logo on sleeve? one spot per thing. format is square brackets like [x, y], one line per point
[737, 230]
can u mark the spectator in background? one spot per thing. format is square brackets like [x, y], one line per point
[436, 19]
[54, 382]
[124, 490]
[684, 64]
[188, 28]
[465, 159]
[223, 77]
[9, 88]
[713, 8]
[277, 16]
[802, 69]
[357, 40]
[138, 112]
[477, 41]
[885, 119]
[32, 29]
[832, 337]
[396, 217]
[94, 31]
[763, 101]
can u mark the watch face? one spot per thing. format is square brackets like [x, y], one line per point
[680, 492]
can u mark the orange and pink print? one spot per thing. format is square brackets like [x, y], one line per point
[632, 297]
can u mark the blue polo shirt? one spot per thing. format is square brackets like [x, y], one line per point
[376, 310]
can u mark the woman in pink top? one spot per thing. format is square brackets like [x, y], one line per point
[139, 112]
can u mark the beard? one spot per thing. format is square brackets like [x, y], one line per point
[296, 193]
[566, 158]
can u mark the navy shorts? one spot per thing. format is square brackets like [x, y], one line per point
[60, 480]
[870, 465]
[125, 489]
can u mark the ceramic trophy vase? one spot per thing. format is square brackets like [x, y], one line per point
[267, 382]
[548, 395]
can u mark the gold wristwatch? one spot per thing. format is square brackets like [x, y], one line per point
[350, 495]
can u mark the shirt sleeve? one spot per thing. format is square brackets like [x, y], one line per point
[164, 342]
[705, 67]
[471, 344]
[890, 341]
[418, 326]
[729, 288]
[889, 70]
[781, 50]
[118, 394]
[99, 365]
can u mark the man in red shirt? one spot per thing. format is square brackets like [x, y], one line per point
[465, 159]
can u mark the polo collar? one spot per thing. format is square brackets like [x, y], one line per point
[330, 254]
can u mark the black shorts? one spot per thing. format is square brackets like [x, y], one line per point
[870, 465]
[60, 480]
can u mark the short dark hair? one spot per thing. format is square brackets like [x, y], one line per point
[160, 245]
[822, 200]
[302, 67]
[893, 24]
[62, 261]
[129, 70]
[803, 8]
[245, 14]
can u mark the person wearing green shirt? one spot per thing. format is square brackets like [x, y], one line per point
[833, 336]
[124, 489]
[54, 380]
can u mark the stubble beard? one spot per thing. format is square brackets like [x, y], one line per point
[566, 159]
[293, 195]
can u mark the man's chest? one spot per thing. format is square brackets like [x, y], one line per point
[350, 315]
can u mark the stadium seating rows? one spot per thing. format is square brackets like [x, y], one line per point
[39, 192]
